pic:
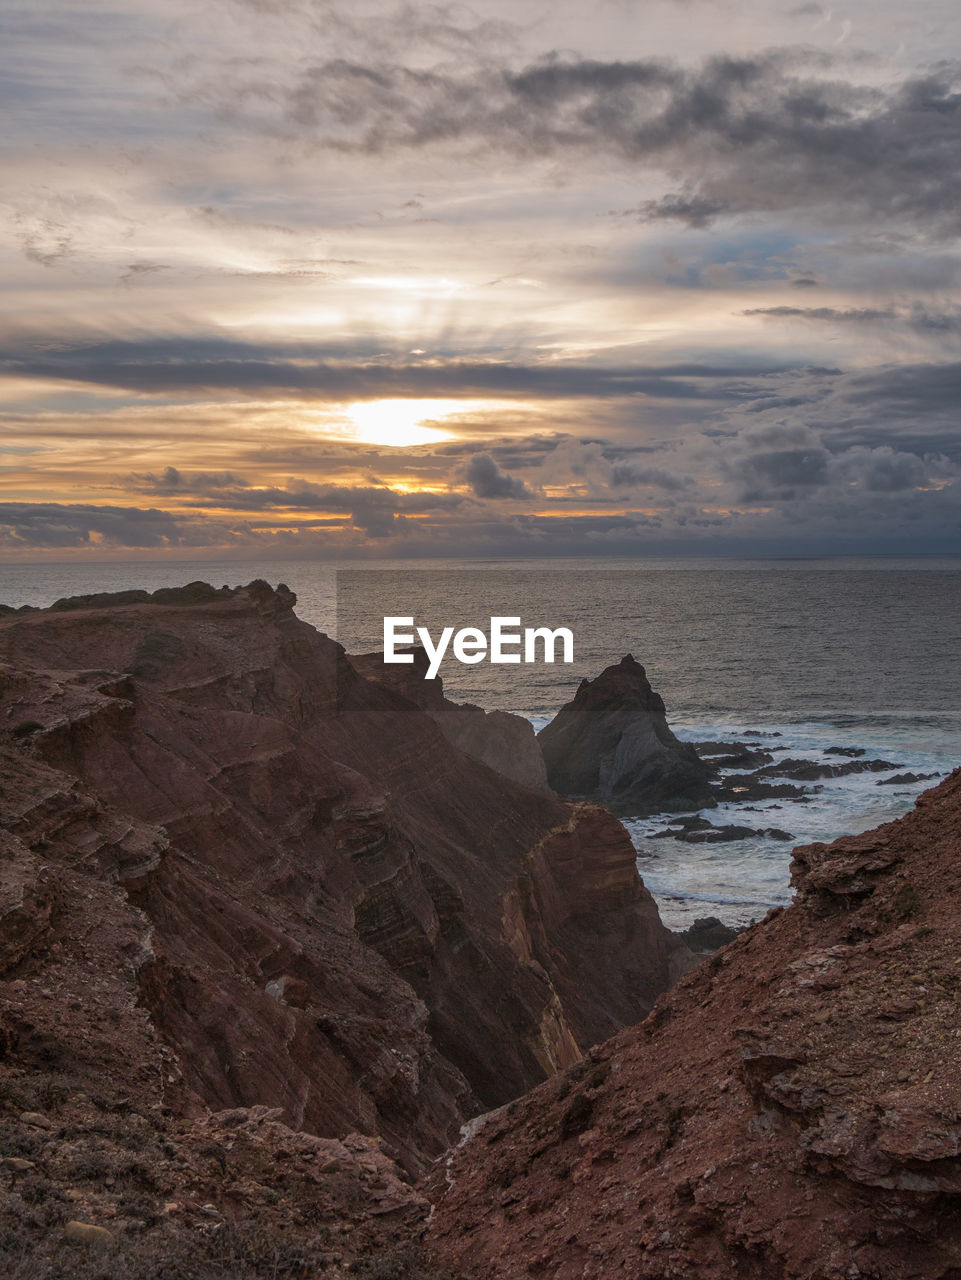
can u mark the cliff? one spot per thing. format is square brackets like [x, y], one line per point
[237, 862]
[790, 1111]
[612, 744]
[504, 742]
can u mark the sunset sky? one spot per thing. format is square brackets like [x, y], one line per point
[291, 278]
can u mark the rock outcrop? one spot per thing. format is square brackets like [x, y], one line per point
[790, 1111]
[612, 744]
[236, 865]
[504, 742]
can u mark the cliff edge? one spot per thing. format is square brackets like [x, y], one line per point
[790, 1111]
[504, 742]
[309, 900]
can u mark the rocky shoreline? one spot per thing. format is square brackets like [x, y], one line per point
[280, 927]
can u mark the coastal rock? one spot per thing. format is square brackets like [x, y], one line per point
[813, 770]
[240, 864]
[709, 934]
[612, 744]
[743, 787]
[789, 1111]
[734, 755]
[906, 779]
[504, 742]
[709, 834]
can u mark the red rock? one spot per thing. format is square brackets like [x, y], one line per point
[314, 901]
[753, 1126]
[504, 742]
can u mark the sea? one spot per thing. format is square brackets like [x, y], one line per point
[803, 655]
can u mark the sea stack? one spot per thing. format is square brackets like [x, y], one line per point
[612, 744]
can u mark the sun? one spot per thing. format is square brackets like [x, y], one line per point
[401, 423]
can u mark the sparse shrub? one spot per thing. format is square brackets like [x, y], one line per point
[398, 1264]
[232, 1253]
[36, 1090]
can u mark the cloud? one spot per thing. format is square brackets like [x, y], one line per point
[50, 524]
[918, 317]
[771, 132]
[788, 467]
[174, 366]
[693, 210]
[139, 270]
[173, 481]
[835, 315]
[626, 475]
[911, 407]
[375, 509]
[789, 487]
[45, 242]
[885, 470]
[488, 481]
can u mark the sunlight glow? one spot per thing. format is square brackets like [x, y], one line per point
[402, 423]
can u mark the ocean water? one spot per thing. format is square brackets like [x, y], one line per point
[807, 654]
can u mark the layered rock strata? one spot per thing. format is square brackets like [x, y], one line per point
[790, 1111]
[310, 899]
[504, 742]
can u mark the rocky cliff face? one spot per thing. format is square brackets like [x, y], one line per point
[504, 742]
[289, 888]
[792, 1109]
[612, 744]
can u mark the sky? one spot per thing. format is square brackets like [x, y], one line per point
[336, 280]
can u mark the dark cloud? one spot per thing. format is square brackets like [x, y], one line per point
[886, 471]
[376, 509]
[51, 524]
[919, 317]
[171, 366]
[806, 499]
[840, 315]
[771, 132]
[512, 453]
[789, 467]
[625, 475]
[910, 408]
[173, 481]
[916, 391]
[693, 210]
[488, 481]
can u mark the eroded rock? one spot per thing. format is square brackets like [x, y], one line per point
[612, 744]
[790, 1109]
